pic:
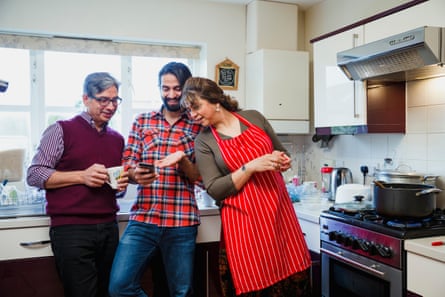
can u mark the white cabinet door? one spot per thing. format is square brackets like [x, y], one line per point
[337, 100]
[277, 84]
[429, 13]
[425, 276]
[311, 233]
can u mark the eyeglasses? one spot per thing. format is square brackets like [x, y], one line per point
[104, 101]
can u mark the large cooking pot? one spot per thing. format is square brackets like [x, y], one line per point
[397, 200]
[404, 177]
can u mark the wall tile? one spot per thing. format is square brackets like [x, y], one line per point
[436, 147]
[416, 120]
[416, 95]
[436, 118]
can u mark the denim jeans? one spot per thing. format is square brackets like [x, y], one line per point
[139, 244]
[84, 254]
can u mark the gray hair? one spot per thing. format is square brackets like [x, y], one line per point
[98, 82]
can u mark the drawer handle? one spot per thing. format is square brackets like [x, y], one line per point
[33, 243]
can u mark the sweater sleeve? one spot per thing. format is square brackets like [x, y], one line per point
[215, 174]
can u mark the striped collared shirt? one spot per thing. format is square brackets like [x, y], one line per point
[49, 152]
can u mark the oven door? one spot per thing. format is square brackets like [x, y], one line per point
[346, 274]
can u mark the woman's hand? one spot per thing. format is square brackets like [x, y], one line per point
[283, 160]
[277, 161]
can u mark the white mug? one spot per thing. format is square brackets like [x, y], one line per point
[114, 174]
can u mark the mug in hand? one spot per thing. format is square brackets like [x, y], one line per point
[114, 174]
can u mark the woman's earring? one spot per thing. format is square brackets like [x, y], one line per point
[217, 108]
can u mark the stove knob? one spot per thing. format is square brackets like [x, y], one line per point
[354, 244]
[340, 238]
[372, 249]
[383, 251]
[332, 235]
[348, 240]
[363, 244]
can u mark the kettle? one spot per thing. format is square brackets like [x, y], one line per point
[340, 176]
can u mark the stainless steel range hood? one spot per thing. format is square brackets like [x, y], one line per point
[416, 54]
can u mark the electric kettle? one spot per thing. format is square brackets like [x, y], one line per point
[340, 176]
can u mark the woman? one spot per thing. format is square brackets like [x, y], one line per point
[263, 251]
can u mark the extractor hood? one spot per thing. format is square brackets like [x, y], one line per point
[416, 54]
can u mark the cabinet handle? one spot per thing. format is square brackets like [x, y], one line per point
[33, 243]
[354, 39]
[356, 115]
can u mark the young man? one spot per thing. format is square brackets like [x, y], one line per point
[165, 215]
[70, 164]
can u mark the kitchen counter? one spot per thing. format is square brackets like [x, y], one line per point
[309, 209]
[43, 220]
[423, 247]
[425, 266]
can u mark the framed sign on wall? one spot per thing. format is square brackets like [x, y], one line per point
[226, 75]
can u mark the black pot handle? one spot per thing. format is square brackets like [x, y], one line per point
[428, 191]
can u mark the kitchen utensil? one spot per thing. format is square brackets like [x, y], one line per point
[405, 200]
[340, 176]
[378, 183]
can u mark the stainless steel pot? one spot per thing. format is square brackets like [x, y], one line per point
[397, 200]
[404, 177]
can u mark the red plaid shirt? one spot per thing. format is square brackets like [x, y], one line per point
[169, 201]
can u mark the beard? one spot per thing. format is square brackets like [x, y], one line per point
[170, 107]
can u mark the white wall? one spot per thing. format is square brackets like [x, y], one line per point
[219, 27]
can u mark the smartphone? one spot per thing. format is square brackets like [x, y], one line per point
[151, 167]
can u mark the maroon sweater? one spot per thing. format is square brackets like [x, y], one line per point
[84, 146]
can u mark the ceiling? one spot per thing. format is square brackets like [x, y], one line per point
[303, 4]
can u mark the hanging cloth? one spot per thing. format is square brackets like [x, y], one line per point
[263, 238]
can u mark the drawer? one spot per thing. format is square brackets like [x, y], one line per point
[25, 243]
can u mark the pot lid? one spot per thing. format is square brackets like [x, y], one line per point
[399, 173]
[353, 207]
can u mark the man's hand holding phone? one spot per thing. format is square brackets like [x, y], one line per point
[144, 174]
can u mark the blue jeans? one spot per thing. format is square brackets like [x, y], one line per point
[137, 247]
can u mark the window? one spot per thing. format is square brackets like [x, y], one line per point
[46, 76]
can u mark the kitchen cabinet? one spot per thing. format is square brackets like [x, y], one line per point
[27, 266]
[207, 281]
[277, 84]
[338, 101]
[31, 277]
[308, 214]
[425, 266]
[264, 19]
[343, 106]
[428, 13]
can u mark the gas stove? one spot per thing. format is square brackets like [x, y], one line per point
[360, 244]
[403, 228]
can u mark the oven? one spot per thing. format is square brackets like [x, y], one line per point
[350, 274]
[363, 255]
